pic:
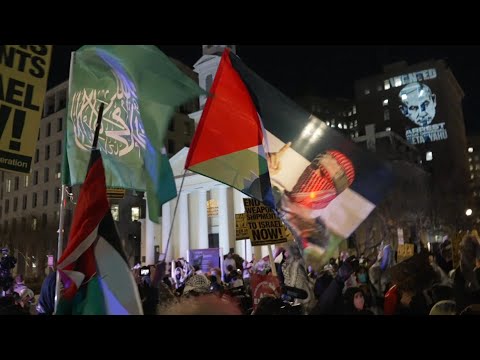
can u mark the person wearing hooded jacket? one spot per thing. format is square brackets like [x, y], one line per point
[354, 302]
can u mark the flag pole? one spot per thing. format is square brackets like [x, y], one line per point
[63, 204]
[61, 222]
[174, 214]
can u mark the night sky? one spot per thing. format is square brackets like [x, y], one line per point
[328, 71]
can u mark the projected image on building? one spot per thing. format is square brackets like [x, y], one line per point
[418, 103]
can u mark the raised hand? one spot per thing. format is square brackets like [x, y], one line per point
[273, 159]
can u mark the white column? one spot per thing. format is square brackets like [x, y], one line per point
[225, 220]
[166, 225]
[202, 220]
[149, 238]
[182, 238]
[143, 241]
[257, 250]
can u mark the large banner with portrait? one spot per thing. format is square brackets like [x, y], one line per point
[255, 139]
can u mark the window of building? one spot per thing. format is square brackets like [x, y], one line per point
[386, 115]
[354, 110]
[5, 226]
[44, 220]
[356, 133]
[58, 171]
[26, 181]
[328, 123]
[57, 195]
[34, 200]
[7, 206]
[397, 81]
[351, 125]
[386, 84]
[16, 183]
[366, 91]
[37, 155]
[429, 156]
[24, 223]
[47, 152]
[9, 185]
[340, 126]
[59, 147]
[333, 122]
[15, 204]
[34, 223]
[59, 124]
[471, 167]
[385, 102]
[45, 197]
[349, 113]
[135, 213]
[477, 167]
[46, 174]
[470, 149]
[470, 159]
[379, 87]
[208, 82]
[38, 138]
[63, 103]
[115, 212]
[171, 125]
[24, 202]
[355, 124]
[49, 129]
[471, 177]
[388, 129]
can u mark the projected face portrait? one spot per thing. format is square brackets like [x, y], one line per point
[418, 103]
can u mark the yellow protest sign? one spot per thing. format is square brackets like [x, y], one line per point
[241, 226]
[264, 227]
[23, 83]
[404, 251]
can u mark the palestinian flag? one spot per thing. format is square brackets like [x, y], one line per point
[94, 271]
[255, 139]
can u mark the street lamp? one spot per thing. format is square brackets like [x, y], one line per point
[468, 212]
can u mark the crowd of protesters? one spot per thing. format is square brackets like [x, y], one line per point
[426, 283]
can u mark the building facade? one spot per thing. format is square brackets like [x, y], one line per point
[423, 104]
[473, 152]
[30, 204]
[338, 113]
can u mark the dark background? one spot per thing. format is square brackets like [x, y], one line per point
[328, 71]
